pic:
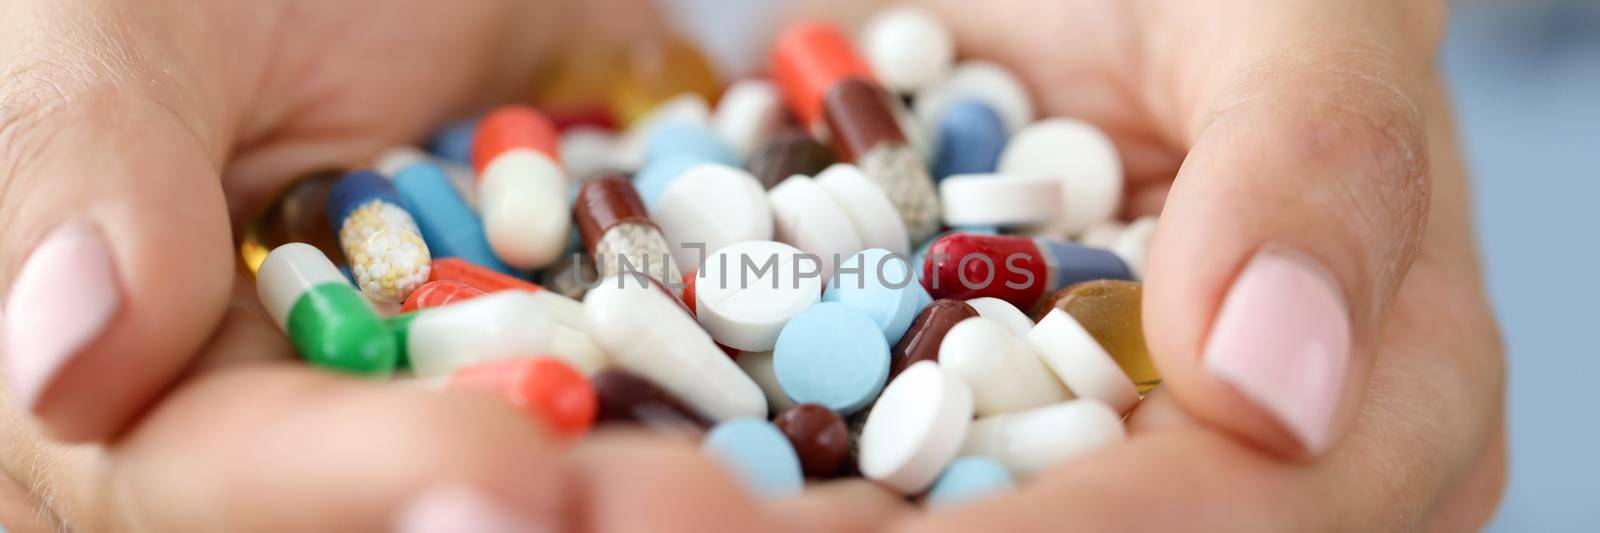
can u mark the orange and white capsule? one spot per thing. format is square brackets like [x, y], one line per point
[522, 189]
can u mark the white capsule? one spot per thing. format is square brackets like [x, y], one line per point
[1081, 157]
[288, 272]
[647, 332]
[1080, 362]
[1004, 373]
[710, 206]
[747, 115]
[522, 197]
[907, 47]
[748, 291]
[870, 212]
[808, 218]
[915, 428]
[1033, 440]
[494, 326]
[999, 199]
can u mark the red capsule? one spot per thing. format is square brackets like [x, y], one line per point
[808, 59]
[441, 292]
[483, 279]
[512, 127]
[546, 389]
[964, 266]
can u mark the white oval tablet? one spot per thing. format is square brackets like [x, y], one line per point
[999, 199]
[915, 428]
[747, 115]
[647, 332]
[1078, 154]
[1033, 440]
[1080, 362]
[907, 47]
[749, 290]
[1133, 245]
[999, 367]
[758, 365]
[710, 206]
[1004, 312]
[807, 217]
[870, 212]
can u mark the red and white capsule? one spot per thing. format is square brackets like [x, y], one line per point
[522, 189]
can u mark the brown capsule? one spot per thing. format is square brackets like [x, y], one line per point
[788, 153]
[921, 341]
[1110, 311]
[627, 398]
[819, 437]
[605, 203]
[860, 117]
[294, 215]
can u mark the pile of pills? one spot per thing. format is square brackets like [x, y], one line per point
[878, 262]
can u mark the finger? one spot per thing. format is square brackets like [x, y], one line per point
[843, 506]
[1296, 215]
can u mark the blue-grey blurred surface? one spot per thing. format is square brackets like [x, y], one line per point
[1526, 76]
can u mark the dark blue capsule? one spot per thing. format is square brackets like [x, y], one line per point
[971, 136]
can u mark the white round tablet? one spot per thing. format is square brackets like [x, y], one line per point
[907, 47]
[915, 428]
[1079, 155]
[1080, 362]
[807, 217]
[999, 199]
[1133, 245]
[1000, 368]
[749, 290]
[870, 212]
[1003, 312]
[710, 206]
[747, 114]
[1033, 440]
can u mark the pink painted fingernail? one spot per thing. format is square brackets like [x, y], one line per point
[452, 508]
[1282, 339]
[60, 301]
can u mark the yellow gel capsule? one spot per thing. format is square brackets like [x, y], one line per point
[659, 69]
[1109, 311]
[295, 215]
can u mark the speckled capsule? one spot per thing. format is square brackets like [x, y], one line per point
[385, 250]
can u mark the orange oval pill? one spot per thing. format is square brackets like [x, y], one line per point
[546, 389]
[512, 127]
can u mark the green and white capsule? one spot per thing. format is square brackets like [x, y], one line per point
[328, 321]
[438, 340]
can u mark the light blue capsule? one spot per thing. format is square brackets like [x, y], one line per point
[449, 226]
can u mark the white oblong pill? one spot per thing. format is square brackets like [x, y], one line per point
[758, 365]
[807, 217]
[871, 213]
[1133, 245]
[907, 47]
[710, 206]
[493, 326]
[915, 428]
[1033, 440]
[288, 272]
[522, 197]
[588, 152]
[981, 80]
[1080, 362]
[749, 290]
[1078, 154]
[1004, 312]
[645, 331]
[1102, 235]
[686, 107]
[999, 199]
[1000, 368]
[747, 114]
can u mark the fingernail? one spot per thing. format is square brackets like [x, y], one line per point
[60, 301]
[452, 508]
[1282, 339]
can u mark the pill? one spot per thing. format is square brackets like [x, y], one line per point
[867, 132]
[657, 68]
[449, 226]
[1016, 269]
[976, 80]
[759, 455]
[1080, 362]
[562, 309]
[971, 136]
[570, 276]
[589, 152]
[295, 214]
[522, 190]
[1004, 312]
[547, 390]
[453, 142]
[387, 255]
[1001, 369]
[673, 148]
[787, 153]
[327, 320]
[758, 365]
[618, 233]
[915, 428]
[1133, 245]
[1081, 157]
[708, 207]
[506, 324]
[644, 330]
[1110, 311]
[819, 437]
[881, 285]
[870, 212]
[807, 217]
[907, 47]
[1103, 234]
[394, 159]
[687, 108]
[808, 58]
[1030, 441]
[750, 112]
[748, 291]
[437, 293]
[922, 339]
[626, 398]
[458, 177]
[999, 199]
[831, 354]
[969, 478]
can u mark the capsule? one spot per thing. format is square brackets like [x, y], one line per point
[438, 293]
[788, 153]
[1110, 311]
[618, 233]
[550, 392]
[1028, 442]
[385, 250]
[296, 215]
[567, 314]
[922, 339]
[1019, 270]
[824, 78]
[629, 399]
[502, 325]
[522, 190]
[327, 320]
[449, 226]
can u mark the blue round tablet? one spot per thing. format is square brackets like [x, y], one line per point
[881, 285]
[969, 478]
[833, 355]
[758, 454]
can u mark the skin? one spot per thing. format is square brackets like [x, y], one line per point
[1320, 126]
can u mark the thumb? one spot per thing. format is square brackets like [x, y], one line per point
[115, 254]
[1284, 240]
